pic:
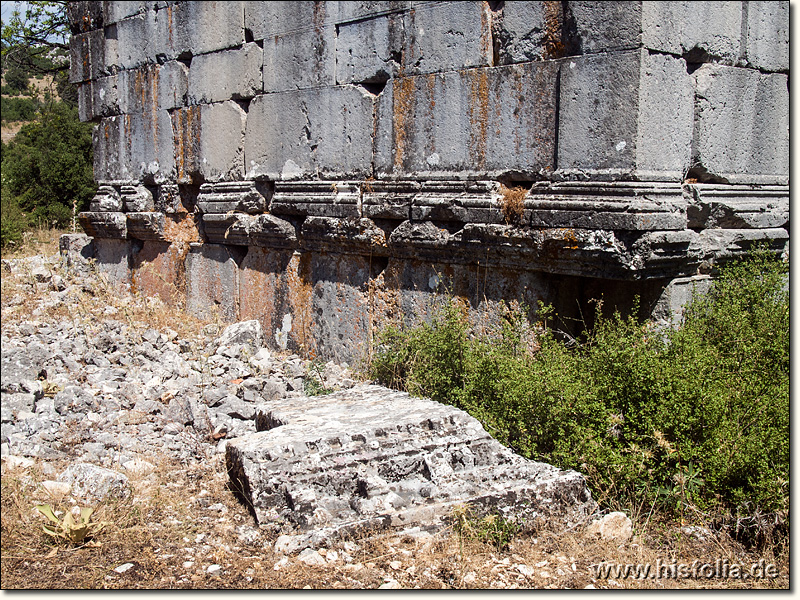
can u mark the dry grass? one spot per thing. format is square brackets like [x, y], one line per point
[182, 520]
[39, 241]
[512, 204]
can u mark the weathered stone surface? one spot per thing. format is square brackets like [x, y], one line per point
[700, 31]
[98, 98]
[605, 26]
[96, 483]
[622, 114]
[107, 199]
[234, 196]
[157, 270]
[524, 31]
[146, 225]
[445, 37]
[112, 256]
[737, 207]
[325, 132]
[136, 147]
[87, 56]
[221, 155]
[298, 57]
[229, 74]
[468, 124]
[212, 280]
[343, 235]
[76, 251]
[104, 224]
[200, 27]
[317, 198]
[676, 296]
[369, 50]
[768, 35]
[136, 198]
[613, 526]
[373, 457]
[616, 206]
[732, 142]
[153, 87]
[244, 332]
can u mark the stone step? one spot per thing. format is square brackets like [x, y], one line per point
[377, 457]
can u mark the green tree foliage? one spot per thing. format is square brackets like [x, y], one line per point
[696, 416]
[47, 167]
[19, 109]
[35, 33]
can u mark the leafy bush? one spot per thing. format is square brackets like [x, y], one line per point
[47, 167]
[696, 416]
[19, 109]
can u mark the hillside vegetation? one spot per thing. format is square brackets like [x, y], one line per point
[692, 423]
[46, 151]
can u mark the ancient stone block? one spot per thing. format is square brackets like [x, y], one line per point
[136, 198]
[698, 30]
[212, 284]
[388, 199]
[262, 293]
[87, 56]
[107, 199]
[104, 224]
[737, 207]
[98, 98]
[114, 12]
[269, 19]
[228, 228]
[192, 28]
[677, 295]
[721, 245]
[344, 460]
[343, 235]
[605, 26]
[733, 142]
[229, 74]
[146, 225]
[622, 114]
[153, 87]
[272, 232]
[468, 124]
[445, 37]
[768, 35]
[134, 147]
[524, 31]
[300, 57]
[320, 198]
[369, 50]
[157, 270]
[342, 12]
[610, 206]
[85, 16]
[326, 132]
[221, 155]
[233, 196]
[135, 40]
[462, 201]
[111, 258]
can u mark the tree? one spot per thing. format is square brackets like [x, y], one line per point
[34, 31]
[47, 167]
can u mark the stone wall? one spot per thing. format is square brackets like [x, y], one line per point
[330, 167]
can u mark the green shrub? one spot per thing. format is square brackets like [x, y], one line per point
[19, 109]
[48, 166]
[695, 416]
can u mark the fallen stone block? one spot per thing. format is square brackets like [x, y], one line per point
[370, 457]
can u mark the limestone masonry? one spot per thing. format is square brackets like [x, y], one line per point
[329, 167]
